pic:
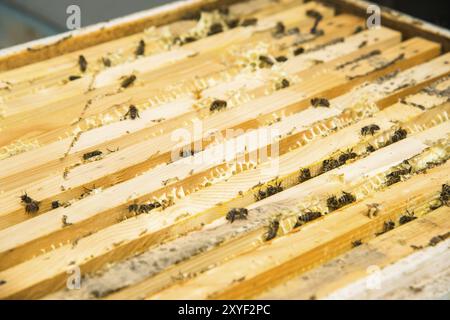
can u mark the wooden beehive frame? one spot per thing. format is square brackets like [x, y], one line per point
[95, 228]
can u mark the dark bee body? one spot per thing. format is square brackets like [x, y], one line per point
[217, 105]
[320, 102]
[346, 199]
[146, 208]
[73, 78]
[232, 23]
[279, 30]
[55, 204]
[370, 148]
[387, 226]
[444, 197]
[265, 62]
[272, 230]
[358, 29]
[332, 204]
[317, 16]
[133, 208]
[370, 129]
[106, 62]
[132, 113]
[128, 81]
[281, 59]
[305, 174]
[284, 83]
[32, 207]
[270, 190]
[408, 217]
[82, 63]
[400, 134]
[356, 243]
[140, 50]
[298, 51]
[329, 164]
[237, 214]
[396, 176]
[348, 155]
[92, 154]
[310, 216]
[215, 28]
[25, 198]
[249, 22]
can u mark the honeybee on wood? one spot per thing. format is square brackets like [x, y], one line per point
[272, 230]
[217, 105]
[346, 199]
[265, 61]
[132, 113]
[370, 129]
[146, 208]
[444, 197]
[347, 155]
[106, 62]
[73, 78]
[370, 148]
[25, 198]
[387, 226]
[92, 154]
[55, 204]
[320, 102]
[298, 51]
[329, 164]
[140, 50]
[285, 83]
[32, 207]
[249, 22]
[215, 28]
[281, 59]
[305, 174]
[128, 81]
[82, 63]
[408, 217]
[396, 176]
[237, 214]
[307, 217]
[399, 134]
[333, 203]
[356, 243]
[133, 208]
[232, 23]
[279, 30]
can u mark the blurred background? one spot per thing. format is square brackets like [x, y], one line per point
[25, 20]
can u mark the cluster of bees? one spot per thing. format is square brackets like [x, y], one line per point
[237, 214]
[143, 208]
[335, 203]
[269, 191]
[330, 164]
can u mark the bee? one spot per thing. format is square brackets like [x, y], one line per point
[92, 154]
[232, 23]
[133, 113]
[329, 164]
[146, 208]
[82, 63]
[408, 217]
[320, 102]
[55, 204]
[272, 230]
[265, 62]
[32, 207]
[281, 59]
[217, 105]
[444, 197]
[133, 208]
[249, 22]
[310, 216]
[273, 189]
[25, 198]
[356, 243]
[370, 148]
[128, 81]
[358, 29]
[237, 214]
[346, 199]
[370, 129]
[215, 28]
[189, 39]
[399, 134]
[305, 174]
[298, 51]
[140, 50]
[347, 155]
[387, 226]
[106, 62]
[73, 78]
[284, 83]
[2, 282]
[279, 30]
[317, 16]
[333, 203]
[396, 176]
[292, 31]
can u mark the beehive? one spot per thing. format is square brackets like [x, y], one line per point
[225, 150]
